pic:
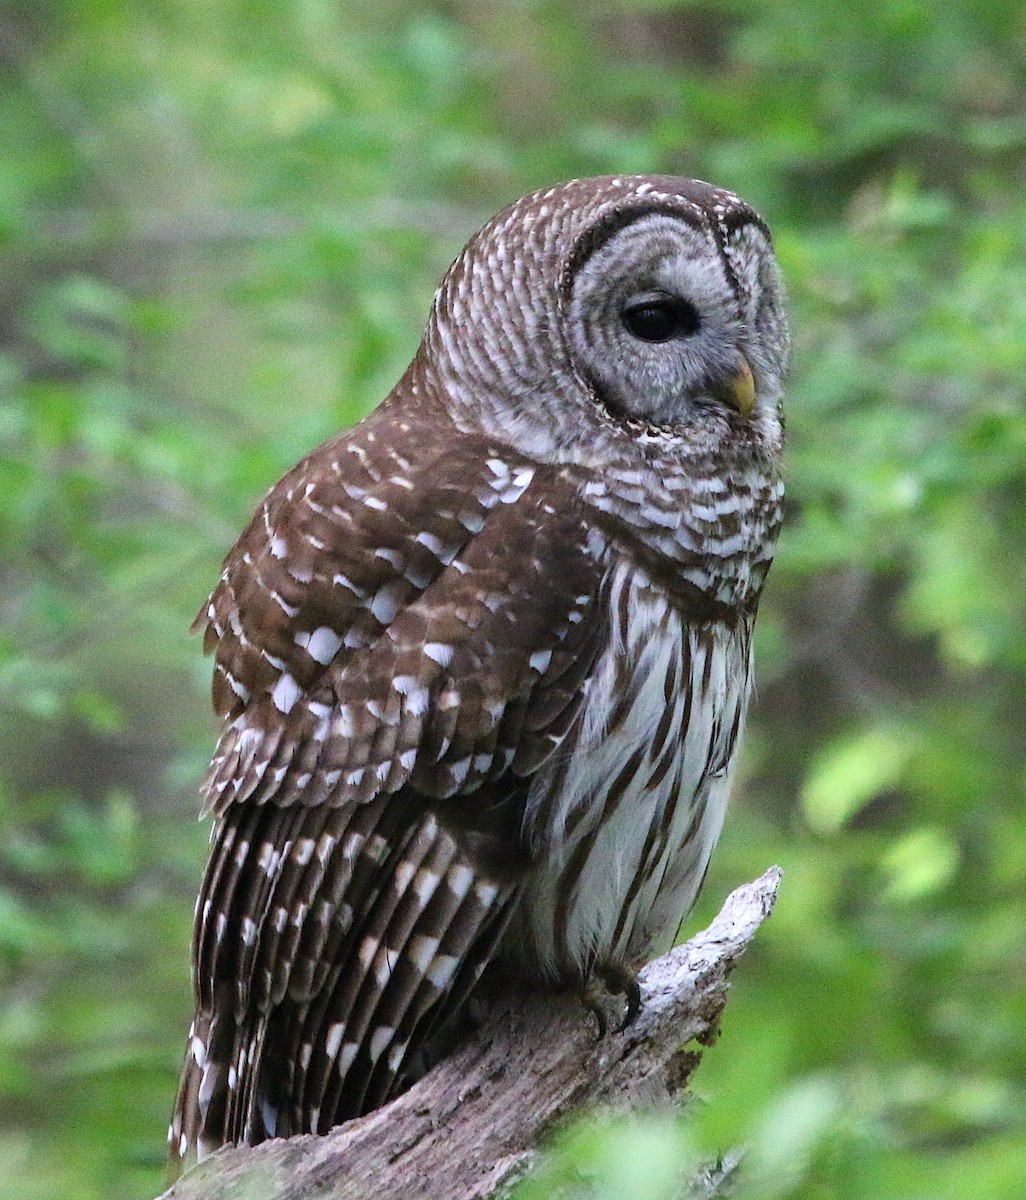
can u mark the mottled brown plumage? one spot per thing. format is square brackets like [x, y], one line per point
[483, 660]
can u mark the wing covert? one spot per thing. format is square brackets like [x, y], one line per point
[477, 673]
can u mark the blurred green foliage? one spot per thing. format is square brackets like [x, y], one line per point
[220, 228]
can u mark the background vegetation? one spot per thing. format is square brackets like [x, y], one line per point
[220, 226]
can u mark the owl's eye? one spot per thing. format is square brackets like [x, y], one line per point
[659, 317]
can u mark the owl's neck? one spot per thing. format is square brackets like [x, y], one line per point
[707, 525]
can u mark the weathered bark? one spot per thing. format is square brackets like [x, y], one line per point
[474, 1123]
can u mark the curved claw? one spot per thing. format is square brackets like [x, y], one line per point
[619, 981]
[591, 1000]
[632, 991]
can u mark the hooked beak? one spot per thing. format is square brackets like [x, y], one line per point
[737, 390]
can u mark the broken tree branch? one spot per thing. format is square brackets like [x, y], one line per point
[474, 1123]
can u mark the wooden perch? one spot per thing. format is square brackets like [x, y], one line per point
[474, 1123]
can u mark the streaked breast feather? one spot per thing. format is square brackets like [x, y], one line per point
[622, 823]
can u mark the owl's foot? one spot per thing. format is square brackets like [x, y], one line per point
[618, 980]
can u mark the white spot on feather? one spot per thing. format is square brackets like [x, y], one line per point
[539, 661]
[346, 1058]
[424, 884]
[438, 652]
[290, 610]
[395, 1055]
[342, 724]
[286, 693]
[341, 580]
[438, 548]
[459, 771]
[472, 522]
[386, 603]
[442, 970]
[416, 696]
[379, 1040]
[368, 948]
[421, 950]
[322, 644]
[334, 1038]
[459, 880]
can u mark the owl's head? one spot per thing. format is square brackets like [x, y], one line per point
[643, 303]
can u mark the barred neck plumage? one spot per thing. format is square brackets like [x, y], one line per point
[704, 525]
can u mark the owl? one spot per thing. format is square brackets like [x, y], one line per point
[483, 660]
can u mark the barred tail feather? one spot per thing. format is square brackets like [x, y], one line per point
[310, 1018]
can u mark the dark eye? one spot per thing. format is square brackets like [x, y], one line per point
[658, 317]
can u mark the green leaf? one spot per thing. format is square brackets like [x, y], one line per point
[919, 864]
[850, 772]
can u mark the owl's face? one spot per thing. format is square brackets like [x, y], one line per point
[632, 304]
[670, 327]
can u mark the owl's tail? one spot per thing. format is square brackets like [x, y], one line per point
[207, 1099]
[295, 1036]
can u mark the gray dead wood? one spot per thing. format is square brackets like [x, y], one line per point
[472, 1125]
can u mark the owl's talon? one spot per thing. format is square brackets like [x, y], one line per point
[592, 1001]
[621, 981]
[632, 991]
[617, 981]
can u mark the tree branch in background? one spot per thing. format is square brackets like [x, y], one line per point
[474, 1123]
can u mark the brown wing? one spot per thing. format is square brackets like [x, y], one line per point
[368, 844]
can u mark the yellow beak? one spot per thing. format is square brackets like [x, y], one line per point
[738, 390]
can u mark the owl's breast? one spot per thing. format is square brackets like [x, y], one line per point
[623, 820]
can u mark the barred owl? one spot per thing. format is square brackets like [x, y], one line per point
[483, 660]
